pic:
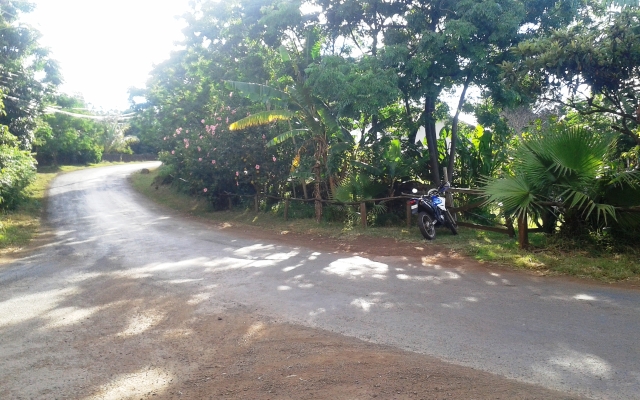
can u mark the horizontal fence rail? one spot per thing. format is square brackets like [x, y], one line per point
[362, 204]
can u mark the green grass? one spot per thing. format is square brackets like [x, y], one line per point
[19, 226]
[488, 247]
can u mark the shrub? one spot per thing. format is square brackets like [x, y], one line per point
[17, 171]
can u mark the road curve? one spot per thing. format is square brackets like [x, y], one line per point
[577, 338]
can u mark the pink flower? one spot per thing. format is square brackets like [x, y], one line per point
[202, 121]
[264, 137]
[231, 94]
[187, 131]
[165, 138]
[227, 120]
[237, 173]
[199, 148]
[199, 159]
[213, 162]
[257, 166]
[173, 152]
[274, 158]
[205, 190]
[233, 112]
[219, 118]
[200, 136]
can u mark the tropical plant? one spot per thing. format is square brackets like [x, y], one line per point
[17, 169]
[562, 173]
[310, 116]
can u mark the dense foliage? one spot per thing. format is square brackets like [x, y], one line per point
[27, 76]
[63, 138]
[271, 97]
[17, 168]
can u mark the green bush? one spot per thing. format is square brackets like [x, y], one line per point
[17, 171]
[297, 210]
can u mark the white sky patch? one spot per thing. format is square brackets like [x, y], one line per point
[106, 47]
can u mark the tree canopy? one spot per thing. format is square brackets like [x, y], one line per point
[337, 91]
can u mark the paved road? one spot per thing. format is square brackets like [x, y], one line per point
[576, 338]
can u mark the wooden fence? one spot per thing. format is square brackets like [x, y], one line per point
[507, 228]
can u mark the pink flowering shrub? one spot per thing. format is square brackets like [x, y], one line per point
[207, 158]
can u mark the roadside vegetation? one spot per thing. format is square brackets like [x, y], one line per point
[350, 101]
[549, 256]
[338, 103]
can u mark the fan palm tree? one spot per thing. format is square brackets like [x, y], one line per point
[565, 172]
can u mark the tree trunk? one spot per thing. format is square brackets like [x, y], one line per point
[318, 176]
[318, 202]
[432, 143]
[454, 130]
[523, 234]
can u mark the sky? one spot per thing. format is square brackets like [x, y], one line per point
[104, 47]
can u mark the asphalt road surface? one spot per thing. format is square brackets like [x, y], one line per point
[577, 338]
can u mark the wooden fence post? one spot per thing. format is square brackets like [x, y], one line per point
[363, 214]
[286, 209]
[408, 214]
[523, 234]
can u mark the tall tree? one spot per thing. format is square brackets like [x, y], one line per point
[27, 72]
[591, 66]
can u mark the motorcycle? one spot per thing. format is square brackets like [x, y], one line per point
[432, 212]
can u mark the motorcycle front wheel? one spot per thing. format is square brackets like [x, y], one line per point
[451, 223]
[426, 225]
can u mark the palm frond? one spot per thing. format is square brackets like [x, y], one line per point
[576, 152]
[261, 118]
[258, 92]
[368, 168]
[287, 135]
[626, 178]
[284, 54]
[379, 209]
[582, 201]
[513, 193]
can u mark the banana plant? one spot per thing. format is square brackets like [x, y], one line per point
[310, 117]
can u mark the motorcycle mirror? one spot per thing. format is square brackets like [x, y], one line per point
[414, 190]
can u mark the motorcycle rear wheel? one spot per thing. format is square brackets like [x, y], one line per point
[451, 223]
[426, 225]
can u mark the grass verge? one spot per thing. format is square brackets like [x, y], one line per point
[484, 246]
